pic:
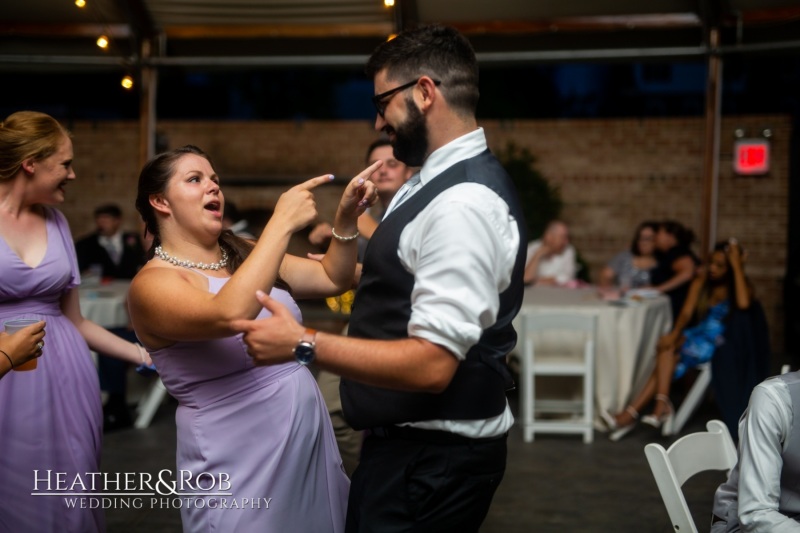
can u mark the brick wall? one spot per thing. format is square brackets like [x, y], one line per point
[612, 174]
[615, 173]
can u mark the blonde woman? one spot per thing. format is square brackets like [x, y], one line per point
[51, 418]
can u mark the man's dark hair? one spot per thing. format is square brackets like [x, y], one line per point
[439, 52]
[377, 143]
[108, 209]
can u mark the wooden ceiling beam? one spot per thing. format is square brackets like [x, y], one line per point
[64, 30]
[406, 15]
[770, 16]
[580, 24]
[140, 18]
[143, 26]
[236, 31]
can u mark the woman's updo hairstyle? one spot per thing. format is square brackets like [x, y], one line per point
[154, 179]
[27, 135]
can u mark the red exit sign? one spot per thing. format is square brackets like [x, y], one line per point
[751, 157]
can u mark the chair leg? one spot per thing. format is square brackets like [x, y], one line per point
[528, 413]
[150, 404]
[528, 394]
[588, 404]
[527, 434]
[690, 403]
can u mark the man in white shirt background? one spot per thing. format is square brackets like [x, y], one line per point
[551, 259]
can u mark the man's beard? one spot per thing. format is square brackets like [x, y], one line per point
[411, 138]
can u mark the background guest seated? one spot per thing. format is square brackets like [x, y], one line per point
[631, 269]
[551, 259]
[676, 263]
[715, 297]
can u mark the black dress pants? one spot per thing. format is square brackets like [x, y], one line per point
[416, 485]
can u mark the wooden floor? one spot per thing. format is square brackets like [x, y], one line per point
[555, 484]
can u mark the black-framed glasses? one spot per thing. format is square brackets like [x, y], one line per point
[382, 100]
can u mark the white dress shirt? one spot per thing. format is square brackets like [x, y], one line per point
[764, 433]
[764, 436]
[112, 245]
[561, 266]
[461, 249]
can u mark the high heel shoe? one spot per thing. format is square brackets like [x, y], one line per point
[621, 431]
[657, 421]
[610, 421]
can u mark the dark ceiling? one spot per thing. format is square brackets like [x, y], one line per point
[56, 34]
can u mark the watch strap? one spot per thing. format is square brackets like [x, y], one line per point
[309, 336]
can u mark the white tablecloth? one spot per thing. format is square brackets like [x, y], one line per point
[106, 304]
[626, 337]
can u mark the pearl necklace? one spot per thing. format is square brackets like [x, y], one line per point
[164, 256]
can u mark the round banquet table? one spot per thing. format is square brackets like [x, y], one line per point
[627, 333]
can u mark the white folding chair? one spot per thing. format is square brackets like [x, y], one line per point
[149, 404]
[537, 362]
[691, 402]
[687, 456]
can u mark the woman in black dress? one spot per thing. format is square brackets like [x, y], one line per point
[676, 263]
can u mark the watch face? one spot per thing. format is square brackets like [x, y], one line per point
[304, 353]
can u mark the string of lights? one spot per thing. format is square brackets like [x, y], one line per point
[105, 42]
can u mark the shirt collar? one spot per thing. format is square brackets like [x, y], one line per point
[464, 147]
[113, 239]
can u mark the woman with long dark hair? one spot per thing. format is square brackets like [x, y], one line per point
[676, 263]
[632, 268]
[264, 429]
[721, 288]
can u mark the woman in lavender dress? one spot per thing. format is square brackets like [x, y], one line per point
[50, 417]
[262, 433]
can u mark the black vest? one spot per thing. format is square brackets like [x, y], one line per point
[382, 309]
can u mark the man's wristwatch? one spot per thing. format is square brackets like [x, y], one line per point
[304, 352]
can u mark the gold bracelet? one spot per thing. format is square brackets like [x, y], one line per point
[344, 239]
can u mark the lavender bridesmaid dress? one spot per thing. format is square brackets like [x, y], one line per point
[265, 430]
[51, 417]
